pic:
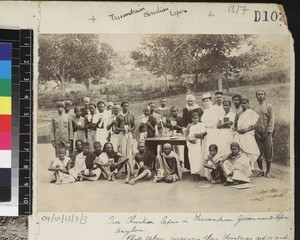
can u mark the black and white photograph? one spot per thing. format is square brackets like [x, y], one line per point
[164, 123]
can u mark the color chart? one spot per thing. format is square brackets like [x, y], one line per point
[5, 121]
[16, 103]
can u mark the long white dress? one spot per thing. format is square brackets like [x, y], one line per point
[226, 134]
[79, 166]
[210, 119]
[247, 141]
[195, 150]
[101, 132]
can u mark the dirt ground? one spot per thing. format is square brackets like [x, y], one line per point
[272, 194]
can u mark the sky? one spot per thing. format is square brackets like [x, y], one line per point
[129, 42]
[122, 42]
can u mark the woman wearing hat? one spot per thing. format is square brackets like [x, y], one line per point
[210, 120]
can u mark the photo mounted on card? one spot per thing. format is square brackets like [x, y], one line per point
[155, 120]
[113, 109]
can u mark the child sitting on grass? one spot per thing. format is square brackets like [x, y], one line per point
[60, 166]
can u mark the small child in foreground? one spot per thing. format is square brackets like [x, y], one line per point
[60, 167]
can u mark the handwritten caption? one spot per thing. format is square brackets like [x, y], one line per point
[136, 227]
[148, 12]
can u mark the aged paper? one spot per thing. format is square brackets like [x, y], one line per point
[257, 46]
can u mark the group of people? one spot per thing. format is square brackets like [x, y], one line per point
[223, 141]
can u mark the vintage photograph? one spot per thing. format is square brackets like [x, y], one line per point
[164, 123]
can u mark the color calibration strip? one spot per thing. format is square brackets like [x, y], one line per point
[5, 121]
[21, 121]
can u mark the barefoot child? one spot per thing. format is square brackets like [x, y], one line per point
[213, 163]
[60, 167]
[144, 160]
[195, 134]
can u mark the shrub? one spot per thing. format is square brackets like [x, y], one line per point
[281, 141]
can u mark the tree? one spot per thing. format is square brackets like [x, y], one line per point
[79, 56]
[157, 53]
[198, 55]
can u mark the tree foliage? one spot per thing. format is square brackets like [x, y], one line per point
[81, 57]
[199, 55]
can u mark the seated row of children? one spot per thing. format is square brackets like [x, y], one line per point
[83, 164]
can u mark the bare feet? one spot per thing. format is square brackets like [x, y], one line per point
[261, 174]
[57, 183]
[268, 175]
[127, 180]
[113, 178]
[131, 182]
[227, 183]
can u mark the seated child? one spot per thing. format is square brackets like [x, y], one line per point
[213, 164]
[60, 166]
[143, 160]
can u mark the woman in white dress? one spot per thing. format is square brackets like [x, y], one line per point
[236, 167]
[244, 135]
[225, 127]
[210, 119]
[195, 134]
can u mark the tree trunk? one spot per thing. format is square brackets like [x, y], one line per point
[62, 79]
[167, 84]
[87, 84]
[195, 83]
[107, 94]
[220, 84]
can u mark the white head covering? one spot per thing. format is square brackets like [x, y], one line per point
[87, 99]
[190, 97]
